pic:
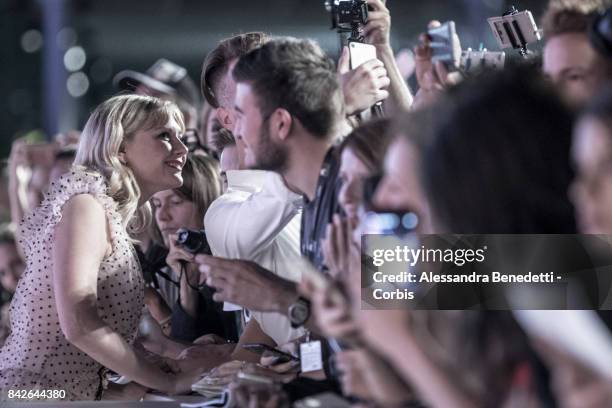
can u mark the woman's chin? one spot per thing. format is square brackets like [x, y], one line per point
[175, 181]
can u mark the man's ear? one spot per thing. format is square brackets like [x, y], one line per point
[281, 122]
[226, 118]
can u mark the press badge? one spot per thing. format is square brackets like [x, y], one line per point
[310, 356]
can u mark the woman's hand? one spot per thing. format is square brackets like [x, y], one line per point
[337, 246]
[333, 313]
[379, 326]
[351, 366]
[176, 255]
[432, 78]
[181, 383]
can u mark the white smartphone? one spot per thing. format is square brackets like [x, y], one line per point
[515, 30]
[580, 333]
[360, 53]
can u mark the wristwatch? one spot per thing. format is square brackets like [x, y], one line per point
[299, 312]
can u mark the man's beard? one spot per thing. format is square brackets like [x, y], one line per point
[269, 156]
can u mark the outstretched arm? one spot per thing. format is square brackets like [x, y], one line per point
[81, 243]
[377, 33]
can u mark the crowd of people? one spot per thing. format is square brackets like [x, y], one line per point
[172, 242]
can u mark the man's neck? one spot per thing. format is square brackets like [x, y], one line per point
[305, 166]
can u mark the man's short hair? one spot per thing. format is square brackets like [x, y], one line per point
[217, 63]
[570, 16]
[295, 75]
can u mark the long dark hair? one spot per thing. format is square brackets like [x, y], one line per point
[499, 160]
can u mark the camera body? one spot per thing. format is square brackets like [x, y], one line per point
[193, 241]
[347, 15]
[474, 60]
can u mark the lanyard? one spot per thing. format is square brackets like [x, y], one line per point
[311, 246]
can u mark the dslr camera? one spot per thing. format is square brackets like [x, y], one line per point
[348, 16]
[193, 241]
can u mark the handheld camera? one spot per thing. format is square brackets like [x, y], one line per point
[193, 241]
[348, 16]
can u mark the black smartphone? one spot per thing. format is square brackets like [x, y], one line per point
[260, 348]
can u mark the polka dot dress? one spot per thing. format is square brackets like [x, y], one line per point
[36, 354]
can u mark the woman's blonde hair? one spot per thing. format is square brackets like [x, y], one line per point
[109, 126]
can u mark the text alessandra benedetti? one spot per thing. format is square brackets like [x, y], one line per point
[493, 277]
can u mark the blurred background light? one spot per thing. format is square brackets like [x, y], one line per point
[75, 58]
[77, 84]
[66, 38]
[31, 41]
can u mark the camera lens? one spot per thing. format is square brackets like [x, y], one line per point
[193, 241]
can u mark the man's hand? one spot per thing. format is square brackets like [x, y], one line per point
[378, 27]
[363, 86]
[247, 284]
[286, 371]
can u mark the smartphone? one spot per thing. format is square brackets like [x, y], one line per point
[515, 30]
[260, 348]
[442, 43]
[360, 53]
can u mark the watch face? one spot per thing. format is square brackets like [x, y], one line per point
[299, 313]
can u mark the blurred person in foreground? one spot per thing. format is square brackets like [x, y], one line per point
[591, 193]
[82, 291]
[31, 167]
[438, 353]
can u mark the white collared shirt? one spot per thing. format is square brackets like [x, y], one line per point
[258, 219]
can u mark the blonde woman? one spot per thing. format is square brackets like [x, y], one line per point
[78, 304]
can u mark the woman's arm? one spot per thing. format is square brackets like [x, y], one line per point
[377, 33]
[81, 242]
